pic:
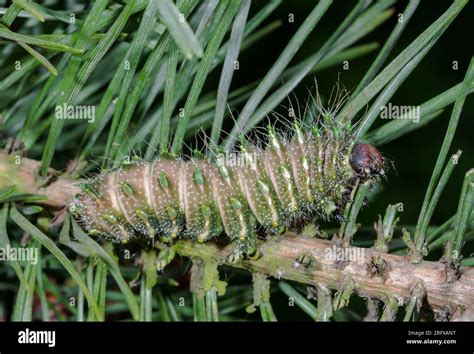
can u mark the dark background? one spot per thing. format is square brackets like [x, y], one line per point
[413, 155]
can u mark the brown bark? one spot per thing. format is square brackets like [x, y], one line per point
[287, 257]
[21, 171]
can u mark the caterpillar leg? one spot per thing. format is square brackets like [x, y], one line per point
[246, 249]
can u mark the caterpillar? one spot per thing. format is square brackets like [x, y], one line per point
[307, 173]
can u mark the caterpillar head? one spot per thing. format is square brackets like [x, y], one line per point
[366, 161]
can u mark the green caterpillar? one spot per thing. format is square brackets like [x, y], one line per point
[309, 174]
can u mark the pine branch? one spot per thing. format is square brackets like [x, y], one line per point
[395, 279]
[22, 172]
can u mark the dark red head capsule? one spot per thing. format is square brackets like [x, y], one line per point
[366, 160]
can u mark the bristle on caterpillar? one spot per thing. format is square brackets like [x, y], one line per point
[308, 173]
